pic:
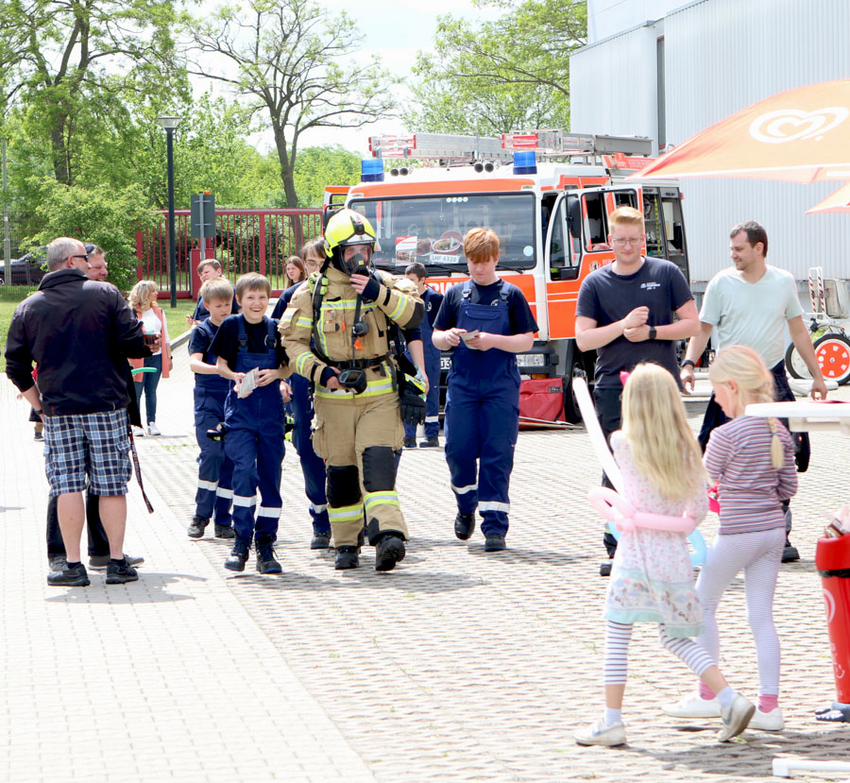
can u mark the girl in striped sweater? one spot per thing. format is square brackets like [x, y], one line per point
[752, 460]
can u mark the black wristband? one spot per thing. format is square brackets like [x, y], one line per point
[653, 332]
[687, 362]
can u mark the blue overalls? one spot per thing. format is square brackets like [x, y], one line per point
[254, 442]
[312, 465]
[215, 469]
[432, 370]
[482, 415]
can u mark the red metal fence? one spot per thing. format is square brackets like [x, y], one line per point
[246, 240]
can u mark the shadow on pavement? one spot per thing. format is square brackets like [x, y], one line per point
[362, 578]
[150, 589]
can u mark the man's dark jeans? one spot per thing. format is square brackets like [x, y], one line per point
[98, 542]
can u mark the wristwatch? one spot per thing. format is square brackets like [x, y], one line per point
[687, 362]
[652, 332]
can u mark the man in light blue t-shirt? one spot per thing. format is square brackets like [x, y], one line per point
[750, 304]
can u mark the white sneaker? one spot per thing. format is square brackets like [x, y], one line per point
[735, 718]
[600, 733]
[693, 706]
[138, 432]
[767, 721]
[153, 429]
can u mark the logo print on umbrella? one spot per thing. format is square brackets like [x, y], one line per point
[784, 125]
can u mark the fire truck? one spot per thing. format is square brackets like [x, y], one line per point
[546, 194]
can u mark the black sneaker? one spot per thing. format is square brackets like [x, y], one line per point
[100, 562]
[38, 435]
[347, 557]
[120, 573]
[57, 562]
[266, 563]
[429, 443]
[69, 577]
[238, 555]
[410, 443]
[389, 551]
[224, 531]
[790, 553]
[494, 543]
[199, 524]
[464, 526]
[321, 539]
[605, 568]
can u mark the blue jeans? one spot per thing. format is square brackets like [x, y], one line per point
[147, 382]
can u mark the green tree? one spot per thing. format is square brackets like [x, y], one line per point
[320, 166]
[69, 63]
[295, 64]
[508, 74]
[109, 218]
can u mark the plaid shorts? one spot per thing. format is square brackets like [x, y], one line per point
[93, 446]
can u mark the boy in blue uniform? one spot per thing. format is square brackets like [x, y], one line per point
[215, 469]
[312, 465]
[254, 423]
[432, 299]
[487, 321]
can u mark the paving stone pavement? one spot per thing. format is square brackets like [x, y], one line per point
[458, 665]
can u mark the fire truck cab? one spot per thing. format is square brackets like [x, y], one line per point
[546, 194]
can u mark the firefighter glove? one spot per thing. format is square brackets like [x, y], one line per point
[412, 406]
[372, 290]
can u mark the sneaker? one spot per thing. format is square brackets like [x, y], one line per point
[138, 432]
[321, 539]
[69, 577]
[735, 718]
[389, 551]
[464, 526]
[790, 553]
[767, 721]
[120, 573]
[410, 443]
[429, 443]
[605, 567]
[495, 543]
[153, 429]
[693, 706]
[600, 733]
[224, 531]
[57, 562]
[347, 557]
[99, 562]
[38, 435]
[196, 529]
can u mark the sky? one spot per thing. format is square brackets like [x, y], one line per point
[394, 30]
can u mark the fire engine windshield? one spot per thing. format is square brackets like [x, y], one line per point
[430, 229]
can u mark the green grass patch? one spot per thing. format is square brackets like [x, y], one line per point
[176, 317]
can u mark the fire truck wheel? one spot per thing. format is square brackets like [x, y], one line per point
[795, 365]
[833, 355]
[572, 414]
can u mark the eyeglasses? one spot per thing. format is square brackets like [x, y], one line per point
[623, 242]
[84, 255]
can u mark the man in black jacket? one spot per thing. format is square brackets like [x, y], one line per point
[80, 333]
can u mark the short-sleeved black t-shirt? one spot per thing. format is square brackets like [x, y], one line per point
[607, 297]
[522, 319]
[226, 342]
[200, 339]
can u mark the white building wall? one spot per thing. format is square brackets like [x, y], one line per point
[628, 110]
[721, 56]
[610, 17]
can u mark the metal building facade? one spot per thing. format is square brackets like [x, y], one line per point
[720, 56]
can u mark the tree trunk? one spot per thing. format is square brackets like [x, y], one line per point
[60, 153]
[287, 174]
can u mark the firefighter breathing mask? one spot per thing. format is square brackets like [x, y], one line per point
[345, 229]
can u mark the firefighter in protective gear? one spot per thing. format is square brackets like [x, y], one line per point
[335, 333]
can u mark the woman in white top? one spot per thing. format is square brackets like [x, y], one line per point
[143, 301]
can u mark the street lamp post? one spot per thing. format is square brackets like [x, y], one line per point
[169, 124]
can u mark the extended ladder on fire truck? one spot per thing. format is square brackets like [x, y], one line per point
[547, 144]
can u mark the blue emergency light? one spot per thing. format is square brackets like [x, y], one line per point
[371, 170]
[525, 162]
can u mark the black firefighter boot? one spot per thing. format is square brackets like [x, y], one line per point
[388, 551]
[238, 555]
[347, 557]
[266, 563]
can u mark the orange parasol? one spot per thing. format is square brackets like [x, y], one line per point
[802, 135]
[837, 202]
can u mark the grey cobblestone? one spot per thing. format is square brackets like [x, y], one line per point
[459, 665]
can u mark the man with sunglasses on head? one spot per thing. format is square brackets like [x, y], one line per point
[630, 311]
[80, 332]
